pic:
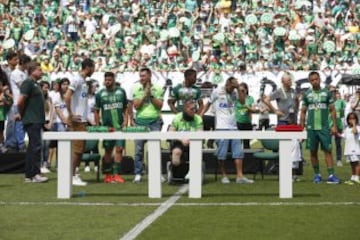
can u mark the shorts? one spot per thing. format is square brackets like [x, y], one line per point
[352, 158]
[110, 144]
[223, 146]
[319, 136]
[78, 146]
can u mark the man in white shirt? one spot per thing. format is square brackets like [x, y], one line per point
[76, 103]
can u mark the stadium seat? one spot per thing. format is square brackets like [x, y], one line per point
[91, 154]
[271, 155]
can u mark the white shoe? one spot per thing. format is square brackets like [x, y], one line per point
[137, 178]
[187, 177]
[96, 169]
[163, 179]
[339, 164]
[39, 179]
[87, 169]
[44, 170]
[225, 180]
[244, 180]
[76, 181]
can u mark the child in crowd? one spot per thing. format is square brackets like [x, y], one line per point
[352, 146]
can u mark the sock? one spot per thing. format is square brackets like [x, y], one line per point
[107, 168]
[331, 171]
[116, 168]
[316, 168]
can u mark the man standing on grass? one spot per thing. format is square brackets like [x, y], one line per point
[316, 105]
[148, 101]
[111, 104]
[76, 103]
[31, 108]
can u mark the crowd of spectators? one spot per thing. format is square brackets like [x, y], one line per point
[172, 35]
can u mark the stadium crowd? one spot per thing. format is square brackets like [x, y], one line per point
[170, 35]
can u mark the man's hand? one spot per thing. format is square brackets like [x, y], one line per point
[334, 130]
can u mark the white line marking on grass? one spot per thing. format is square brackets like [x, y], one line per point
[105, 204]
[135, 231]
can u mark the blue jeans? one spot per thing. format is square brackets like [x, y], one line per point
[338, 148]
[33, 154]
[139, 147]
[15, 135]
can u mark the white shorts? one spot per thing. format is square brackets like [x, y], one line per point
[352, 158]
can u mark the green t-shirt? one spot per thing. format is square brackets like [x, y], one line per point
[317, 103]
[340, 106]
[34, 110]
[147, 113]
[186, 126]
[181, 93]
[242, 114]
[112, 105]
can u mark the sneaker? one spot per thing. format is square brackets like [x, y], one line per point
[244, 180]
[163, 179]
[39, 179]
[117, 179]
[44, 170]
[108, 178]
[137, 178]
[76, 181]
[317, 178]
[96, 169]
[187, 176]
[332, 179]
[295, 178]
[225, 180]
[339, 164]
[349, 182]
[27, 180]
[87, 169]
[356, 181]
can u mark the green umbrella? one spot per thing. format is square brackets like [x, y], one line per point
[279, 31]
[329, 46]
[251, 19]
[266, 18]
[9, 43]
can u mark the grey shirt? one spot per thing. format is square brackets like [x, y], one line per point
[286, 101]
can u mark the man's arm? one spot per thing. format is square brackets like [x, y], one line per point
[201, 106]
[333, 117]
[171, 103]
[303, 116]
[21, 104]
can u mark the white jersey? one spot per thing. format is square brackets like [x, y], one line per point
[61, 105]
[223, 104]
[352, 145]
[17, 77]
[79, 97]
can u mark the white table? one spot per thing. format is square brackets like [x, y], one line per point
[64, 187]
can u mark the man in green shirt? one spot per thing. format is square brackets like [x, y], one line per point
[31, 108]
[185, 91]
[316, 105]
[186, 120]
[111, 104]
[147, 101]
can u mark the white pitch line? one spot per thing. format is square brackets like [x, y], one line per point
[210, 204]
[135, 231]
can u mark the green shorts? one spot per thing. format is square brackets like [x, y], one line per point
[319, 136]
[110, 144]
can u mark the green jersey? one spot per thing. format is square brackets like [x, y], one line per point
[147, 113]
[317, 103]
[242, 113]
[181, 93]
[186, 126]
[112, 105]
[340, 106]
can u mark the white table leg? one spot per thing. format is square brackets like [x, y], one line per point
[64, 169]
[195, 174]
[154, 162]
[285, 171]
